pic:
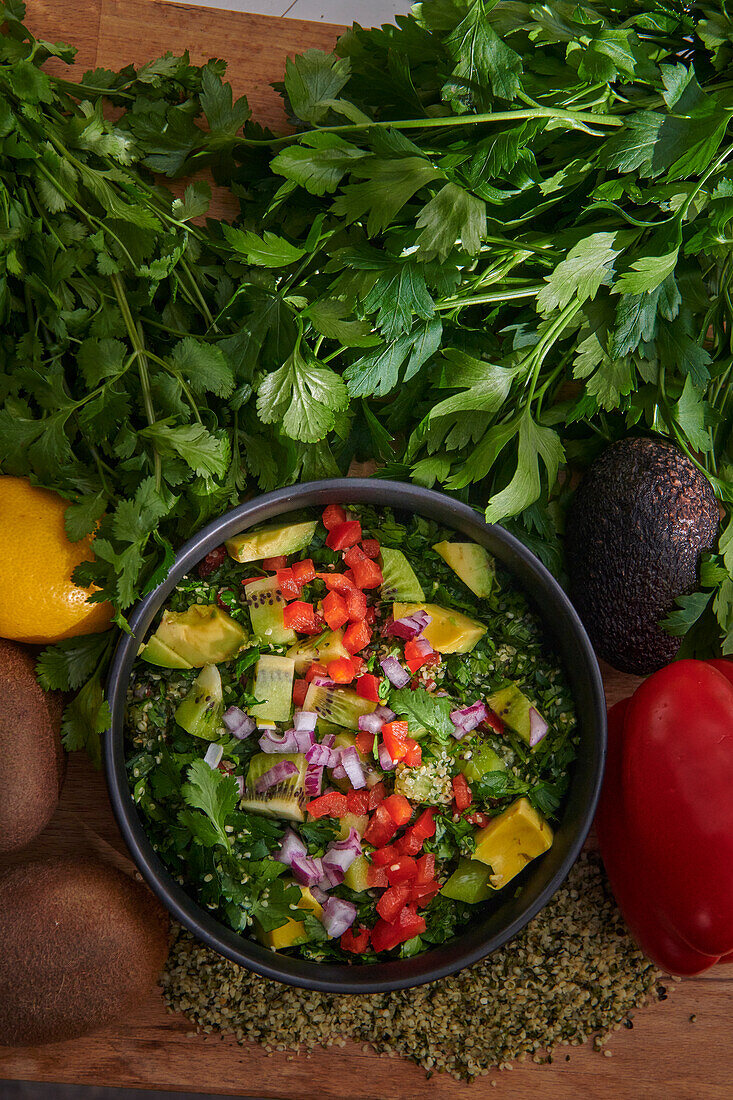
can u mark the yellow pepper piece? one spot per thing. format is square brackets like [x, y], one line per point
[511, 841]
[287, 935]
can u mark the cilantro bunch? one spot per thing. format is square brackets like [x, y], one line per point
[498, 239]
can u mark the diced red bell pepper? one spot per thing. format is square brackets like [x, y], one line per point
[334, 610]
[349, 574]
[424, 827]
[381, 828]
[394, 735]
[377, 794]
[376, 877]
[356, 605]
[358, 663]
[365, 744]
[479, 819]
[330, 804]
[423, 895]
[371, 615]
[271, 565]
[336, 582]
[315, 669]
[304, 571]
[461, 792]
[398, 808]
[382, 856]
[370, 547]
[287, 584]
[356, 942]
[410, 923]
[249, 580]
[402, 869]
[356, 637]
[357, 802]
[340, 670]
[392, 902]
[409, 844]
[413, 754]
[367, 573]
[367, 686]
[425, 870]
[333, 515]
[494, 722]
[385, 936]
[301, 616]
[344, 535]
[300, 690]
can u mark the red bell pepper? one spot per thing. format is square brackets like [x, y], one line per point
[344, 535]
[367, 686]
[357, 802]
[356, 942]
[315, 669]
[333, 515]
[340, 670]
[398, 808]
[330, 804]
[371, 548]
[461, 792]
[392, 902]
[665, 818]
[334, 610]
[287, 583]
[395, 739]
[273, 564]
[301, 616]
[300, 690]
[377, 794]
[380, 829]
[304, 571]
[356, 605]
[402, 869]
[376, 877]
[357, 636]
[413, 754]
[365, 743]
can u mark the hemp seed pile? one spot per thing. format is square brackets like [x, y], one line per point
[573, 973]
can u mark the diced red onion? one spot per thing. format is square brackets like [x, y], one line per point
[385, 713]
[468, 718]
[320, 895]
[422, 647]
[410, 625]
[276, 774]
[213, 755]
[291, 846]
[323, 756]
[241, 784]
[313, 780]
[338, 916]
[305, 719]
[329, 740]
[395, 673]
[370, 723]
[270, 742]
[339, 772]
[323, 681]
[239, 724]
[352, 843]
[303, 739]
[538, 727]
[386, 762]
[307, 869]
[332, 875]
[351, 764]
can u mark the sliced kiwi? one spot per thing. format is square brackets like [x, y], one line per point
[200, 712]
[286, 799]
[266, 605]
[338, 705]
[273, 686]
[324, 648]
[513, 707]
[475, 757]
[400, 582]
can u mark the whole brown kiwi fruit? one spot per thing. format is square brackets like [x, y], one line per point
[81, 945]
[32, 760]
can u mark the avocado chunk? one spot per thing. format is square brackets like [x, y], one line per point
[469, 882]
[201, 711]
[475, 757]
[472, 563]
[203, 634]
[324, 648]
[271, 542]
[273, 687]
[292, 933]
[511, 841]
[514, 708]
[449, 632]
[641, 517]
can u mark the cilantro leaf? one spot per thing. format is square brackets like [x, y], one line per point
[85, 718]
[215, 794]
[66, 665]
[205, 452]
[424, 711]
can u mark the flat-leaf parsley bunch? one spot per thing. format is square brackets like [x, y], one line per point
[498, 238]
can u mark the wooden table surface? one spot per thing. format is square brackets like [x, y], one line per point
[665, 1055]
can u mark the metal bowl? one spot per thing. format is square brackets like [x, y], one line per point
[541, 879]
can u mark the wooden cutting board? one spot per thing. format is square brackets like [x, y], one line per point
[665, 1055]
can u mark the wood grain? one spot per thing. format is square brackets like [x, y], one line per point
[665, 1055]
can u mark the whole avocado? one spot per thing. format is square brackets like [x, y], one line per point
[639, 521]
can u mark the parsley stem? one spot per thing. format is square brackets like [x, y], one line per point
[507, 295]
[135, 334]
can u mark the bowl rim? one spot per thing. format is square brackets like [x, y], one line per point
[330, 977]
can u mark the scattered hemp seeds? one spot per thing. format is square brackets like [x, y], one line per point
[573, 973]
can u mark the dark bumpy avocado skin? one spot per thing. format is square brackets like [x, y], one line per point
[639, 521]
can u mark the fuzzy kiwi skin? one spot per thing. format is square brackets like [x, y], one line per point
[82, 944]
[640, 519]
[32, 759]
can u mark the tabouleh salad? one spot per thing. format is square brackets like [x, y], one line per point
[346, 735]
